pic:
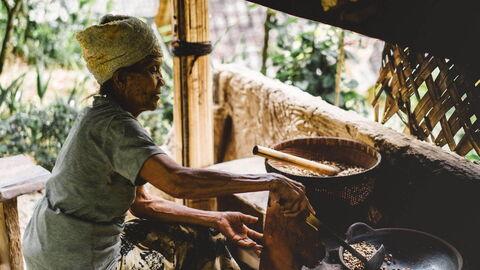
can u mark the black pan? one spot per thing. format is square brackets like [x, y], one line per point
[411, 249]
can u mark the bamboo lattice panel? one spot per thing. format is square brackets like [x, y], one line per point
[435, 100]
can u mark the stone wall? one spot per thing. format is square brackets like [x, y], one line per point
[265, 111]
[419, 185]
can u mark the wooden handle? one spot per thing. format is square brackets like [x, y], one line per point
[294, 160]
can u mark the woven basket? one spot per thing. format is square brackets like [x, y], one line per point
[350, 189]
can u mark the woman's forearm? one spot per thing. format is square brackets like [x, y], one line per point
[182, 182]
[167, 211]
[201, 183]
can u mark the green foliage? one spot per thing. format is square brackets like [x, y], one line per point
[45, 30]
[473, 156]
[157, 124]
[305, 61]
[44, 36]
[38, 132]
[305, 55]
[11, 95]
[42, 86]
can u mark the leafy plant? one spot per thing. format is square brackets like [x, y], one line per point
[42, 86]
[45, 30]
[305, 55]
[39, 132]
[11, 95]
[473, 156]
[157, 124]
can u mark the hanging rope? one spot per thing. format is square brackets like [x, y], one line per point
[185, 48]
[196, 49]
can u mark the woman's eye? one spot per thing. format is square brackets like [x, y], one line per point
[154, 69]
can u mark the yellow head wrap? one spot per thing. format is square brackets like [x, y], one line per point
[119, 42]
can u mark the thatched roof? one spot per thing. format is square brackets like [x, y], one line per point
[444, 28]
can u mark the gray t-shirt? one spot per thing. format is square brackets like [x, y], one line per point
[77, 224]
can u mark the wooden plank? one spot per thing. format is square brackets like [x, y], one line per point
[37, 183]
[8, 162]
[193, 99]
[19, 175]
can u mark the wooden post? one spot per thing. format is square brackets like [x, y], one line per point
[193, 99]
[10, 247]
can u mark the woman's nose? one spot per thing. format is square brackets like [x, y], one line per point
[161, 81]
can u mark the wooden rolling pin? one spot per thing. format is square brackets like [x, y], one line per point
[294, 160]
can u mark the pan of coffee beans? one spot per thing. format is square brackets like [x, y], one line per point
[406, 249]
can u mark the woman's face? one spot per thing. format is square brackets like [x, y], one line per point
[140, 89]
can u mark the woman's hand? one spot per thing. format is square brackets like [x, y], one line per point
[233, 226]
[291, 195]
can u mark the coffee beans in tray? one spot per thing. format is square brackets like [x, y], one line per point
[364, 248]
[344, 169]
[368, 250]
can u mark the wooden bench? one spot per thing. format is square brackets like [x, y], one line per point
[18, 175]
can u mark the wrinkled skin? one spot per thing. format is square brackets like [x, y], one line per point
[139, 90]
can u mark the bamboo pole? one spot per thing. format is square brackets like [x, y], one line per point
[294, 160]
[193, 98]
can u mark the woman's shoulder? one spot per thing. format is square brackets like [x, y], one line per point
[104, 110]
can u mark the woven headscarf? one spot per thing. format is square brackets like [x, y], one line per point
[118, 41]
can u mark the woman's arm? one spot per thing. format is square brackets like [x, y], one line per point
[182, 182]
[189, 183]
[231, 224]
[149, 207]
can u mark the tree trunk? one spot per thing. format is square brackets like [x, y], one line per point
[11, 14]
[267, 26]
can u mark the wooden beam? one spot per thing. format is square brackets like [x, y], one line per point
[193, 99]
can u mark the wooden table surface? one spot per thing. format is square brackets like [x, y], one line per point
[257, 200]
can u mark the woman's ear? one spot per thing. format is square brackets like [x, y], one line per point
[119, 80]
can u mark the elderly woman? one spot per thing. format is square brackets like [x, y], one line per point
[108, 157]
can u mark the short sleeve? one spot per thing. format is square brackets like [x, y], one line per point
[127, 146]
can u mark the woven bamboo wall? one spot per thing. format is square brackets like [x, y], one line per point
[435, 99]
